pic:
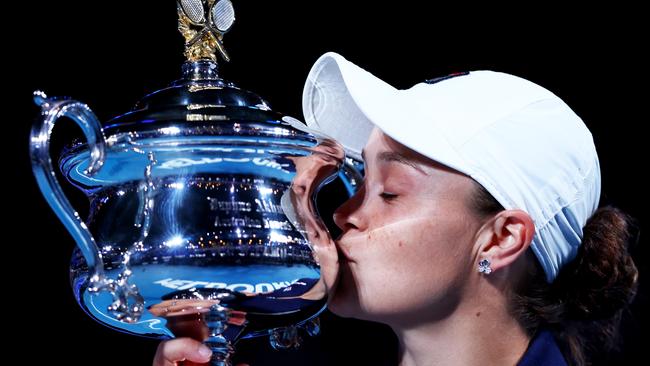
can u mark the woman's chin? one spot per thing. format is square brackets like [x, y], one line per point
[341, 307]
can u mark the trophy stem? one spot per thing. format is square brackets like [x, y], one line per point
[201, 70]
[216, 321]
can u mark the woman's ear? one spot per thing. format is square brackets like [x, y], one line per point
[507, 237]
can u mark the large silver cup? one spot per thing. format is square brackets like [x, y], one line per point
[203, 220]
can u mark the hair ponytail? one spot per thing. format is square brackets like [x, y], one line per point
[585, 303]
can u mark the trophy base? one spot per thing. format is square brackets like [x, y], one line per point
[219, 317]
[205, 320]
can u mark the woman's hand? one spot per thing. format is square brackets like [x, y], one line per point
[173, 351]
[186, 350]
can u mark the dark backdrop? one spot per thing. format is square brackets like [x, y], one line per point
[110, 54]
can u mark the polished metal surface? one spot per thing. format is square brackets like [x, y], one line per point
[223, 15]
[194, 10]
[203, 217]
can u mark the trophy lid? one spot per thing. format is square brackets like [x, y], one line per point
[200, 96]
[199, 108]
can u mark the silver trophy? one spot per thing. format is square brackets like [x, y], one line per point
[202, 221]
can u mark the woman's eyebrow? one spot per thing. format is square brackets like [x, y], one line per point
[393, 156]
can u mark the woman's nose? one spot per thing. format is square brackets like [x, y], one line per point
[348, 215]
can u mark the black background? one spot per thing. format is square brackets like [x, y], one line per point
[110, 54]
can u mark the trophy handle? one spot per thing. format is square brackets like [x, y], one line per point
[39, 148]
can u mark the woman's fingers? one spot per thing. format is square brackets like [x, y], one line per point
[181, 349]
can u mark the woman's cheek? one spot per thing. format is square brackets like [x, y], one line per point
[386, 270]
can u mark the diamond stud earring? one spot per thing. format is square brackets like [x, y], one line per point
[484, 266]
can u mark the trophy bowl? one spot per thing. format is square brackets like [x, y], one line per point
[203, 220]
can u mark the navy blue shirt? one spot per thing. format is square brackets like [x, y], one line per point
[543, 351]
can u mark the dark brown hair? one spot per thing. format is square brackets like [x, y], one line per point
[584, 304]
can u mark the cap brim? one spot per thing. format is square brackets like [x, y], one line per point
[346, 102]
[340, 99]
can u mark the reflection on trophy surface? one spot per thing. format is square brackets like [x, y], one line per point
[202, 220]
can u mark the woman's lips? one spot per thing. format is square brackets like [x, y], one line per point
[343, 256]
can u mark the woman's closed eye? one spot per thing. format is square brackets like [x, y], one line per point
[388, 196]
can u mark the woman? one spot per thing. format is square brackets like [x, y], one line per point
[476, 234]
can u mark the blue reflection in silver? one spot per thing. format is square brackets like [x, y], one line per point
[202, 216]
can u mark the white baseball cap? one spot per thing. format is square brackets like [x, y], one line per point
[521, 142]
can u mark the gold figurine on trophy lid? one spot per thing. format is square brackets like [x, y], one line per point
[203, 24]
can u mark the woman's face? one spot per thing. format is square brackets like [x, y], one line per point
[408, 233]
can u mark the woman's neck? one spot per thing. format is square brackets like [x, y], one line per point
[477, 333]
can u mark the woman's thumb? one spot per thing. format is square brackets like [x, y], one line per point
[181, 349]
